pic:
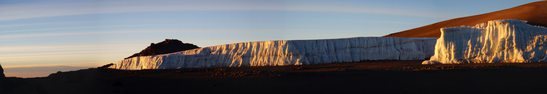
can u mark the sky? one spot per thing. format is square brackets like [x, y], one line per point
[96, 32]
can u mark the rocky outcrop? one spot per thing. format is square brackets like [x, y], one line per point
[2, 72]
[498, 41]
[287, 52]
[167, 46]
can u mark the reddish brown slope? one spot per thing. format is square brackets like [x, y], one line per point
[535, 13]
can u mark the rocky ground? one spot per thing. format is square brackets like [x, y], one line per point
[164, 47]
[365, 77]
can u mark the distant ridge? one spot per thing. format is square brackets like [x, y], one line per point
[535, 13]
[164, 47]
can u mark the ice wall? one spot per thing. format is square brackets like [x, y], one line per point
[499, 41]
[287, 52]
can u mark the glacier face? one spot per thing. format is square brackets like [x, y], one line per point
[498, 41]
[287, 52]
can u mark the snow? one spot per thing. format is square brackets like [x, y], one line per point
[498, 41]
[287, 52]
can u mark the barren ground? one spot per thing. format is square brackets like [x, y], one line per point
[364, 77]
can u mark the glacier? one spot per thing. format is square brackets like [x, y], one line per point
[497, 41]
[287, 52]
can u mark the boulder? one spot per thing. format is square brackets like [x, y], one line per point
[166, 46]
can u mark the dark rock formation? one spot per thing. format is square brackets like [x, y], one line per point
[2, 72]
[105, 66]
[164, 47]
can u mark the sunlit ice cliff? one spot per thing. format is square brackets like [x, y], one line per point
[287, 52]
[498, 41]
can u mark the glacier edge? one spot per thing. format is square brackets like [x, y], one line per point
[497, 41]
[287, 52]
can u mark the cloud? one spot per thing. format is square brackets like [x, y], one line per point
[65, 54]
[37, 71]
[37, 35]
[38, 10]
[39, 54]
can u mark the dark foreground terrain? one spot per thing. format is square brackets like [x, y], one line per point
[366, 77]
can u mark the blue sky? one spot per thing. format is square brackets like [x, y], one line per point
[96, 32]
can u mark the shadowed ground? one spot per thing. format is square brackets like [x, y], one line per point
[366, 77]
